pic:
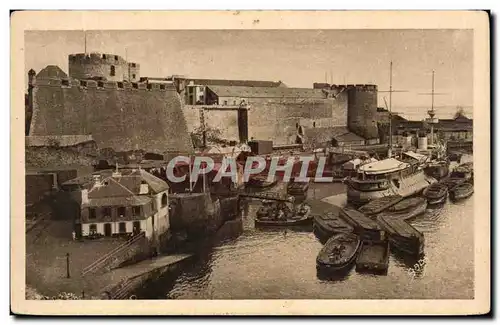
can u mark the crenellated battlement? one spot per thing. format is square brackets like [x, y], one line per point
[96, 58]
[102, 84]
[358, 87]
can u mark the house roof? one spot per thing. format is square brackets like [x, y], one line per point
[51, 71]
[120, 201]
[266, 92]
[126, 185]
[244, 83]
[57, 140]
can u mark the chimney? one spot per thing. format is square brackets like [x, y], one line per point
[85, 196]
[144, 188]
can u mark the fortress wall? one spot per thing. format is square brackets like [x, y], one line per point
[276, 119]
[119, 118]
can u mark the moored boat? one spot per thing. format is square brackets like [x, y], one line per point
[402, 235]
[451, 183]
[297, 217]
[438, 169]
[378, 205]
[329, 224]
[462, 191]
[260, 181]
[339, 252]
[363, 226]
[407, 208]
[297, 188]
[373, 256]
[436, 193]
[387, 177]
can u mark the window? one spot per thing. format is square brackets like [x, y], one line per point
[133, 76]
[314, 124]
[92, 229]
[164, 200]
[106, 212]
[116, 57]
[121, 212]
[225, 102]
[92, 213]
[104, 56]
[112, 72]
[65, 82]
[162, 87]
[234, 102]
[120, 84]
[136, 211]
[100, 84]
[133, 66]
[150, 86]
[83, 83]
[122, 227]
[135, 85]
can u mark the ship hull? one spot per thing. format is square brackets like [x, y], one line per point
[409, 186]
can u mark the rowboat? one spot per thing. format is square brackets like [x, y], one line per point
[436, 193]
[301, 217]
[407, 209]
[373, 256]
[329, 224]
[339, 253]
[462, 191]
[402, 235]
[378, 205]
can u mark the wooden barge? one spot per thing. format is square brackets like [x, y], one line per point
[402, 235]
[330, 224]
[407, 209]
[362, 225]
[462, 191]
[373, 257]
[378, 205]
[339, 253]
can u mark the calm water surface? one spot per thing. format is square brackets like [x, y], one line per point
[248, 263]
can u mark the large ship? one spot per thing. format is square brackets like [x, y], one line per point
[391, 176]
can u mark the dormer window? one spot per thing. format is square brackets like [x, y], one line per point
[104, 56]
[112, 72]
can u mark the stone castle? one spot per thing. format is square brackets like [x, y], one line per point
[104, 96]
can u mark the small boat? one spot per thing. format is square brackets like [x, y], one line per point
[329, 224]
[438, 169]
[462, 191]
[339, 252]
[402, 235]
[364, 226]
[300, 217]
[260, 181]
[373, 256]
[297, 188]
[378, 205]
[451, 183]
[464, 171]
[436, 193]
[408, 208]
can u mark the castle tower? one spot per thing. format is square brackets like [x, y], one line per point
[362, 110]
[102, 66]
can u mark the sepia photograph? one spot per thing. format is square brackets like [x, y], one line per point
[252, 157]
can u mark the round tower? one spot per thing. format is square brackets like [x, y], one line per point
[362, 110]
[98, 66]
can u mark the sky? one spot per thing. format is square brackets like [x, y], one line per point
[297, 57]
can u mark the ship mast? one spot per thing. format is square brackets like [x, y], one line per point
[389, 152]
[431, 111]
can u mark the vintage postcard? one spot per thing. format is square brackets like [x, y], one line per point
[250, 163]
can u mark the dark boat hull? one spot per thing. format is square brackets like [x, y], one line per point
[306, 220]
[457, 194]
[373, 257]
[346, 263]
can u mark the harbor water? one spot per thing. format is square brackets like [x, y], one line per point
[248, 263]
